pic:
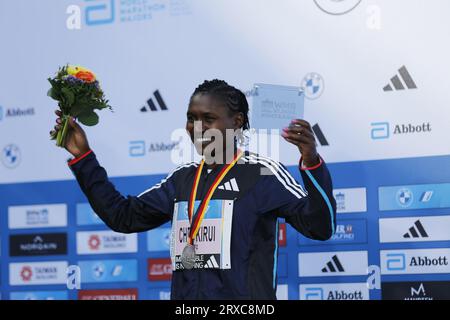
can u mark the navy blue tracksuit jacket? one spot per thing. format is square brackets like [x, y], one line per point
[237, 241]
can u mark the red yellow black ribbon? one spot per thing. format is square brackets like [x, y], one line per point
[197, 219]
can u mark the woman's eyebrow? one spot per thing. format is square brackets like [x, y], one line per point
[209, 114]
[202, 114]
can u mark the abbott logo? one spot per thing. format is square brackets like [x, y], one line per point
[337, 7]
[380, 130]
[96, 12]
[420, 261]
[395, 261]
[334, 291]
[102, 12]
[137, 149]
[314, 294]
[400, 81]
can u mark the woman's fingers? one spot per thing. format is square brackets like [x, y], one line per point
[289, 140]
[299, 131]
[301, 122]
[298, 139]
[73, 123]
[298, 135]
[58, 120]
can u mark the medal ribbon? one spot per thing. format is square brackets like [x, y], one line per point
[197, 219]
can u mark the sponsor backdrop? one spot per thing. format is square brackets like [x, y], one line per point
[375, 95]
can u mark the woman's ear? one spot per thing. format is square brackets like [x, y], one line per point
[238, 120]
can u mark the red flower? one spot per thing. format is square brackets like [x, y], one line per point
[86, 76]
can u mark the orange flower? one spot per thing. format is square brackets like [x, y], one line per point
[86, 76]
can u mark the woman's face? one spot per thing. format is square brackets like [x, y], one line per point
[211, 115]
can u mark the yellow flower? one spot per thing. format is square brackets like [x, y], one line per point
[74, 70]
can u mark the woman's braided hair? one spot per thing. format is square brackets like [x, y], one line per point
[233, 98]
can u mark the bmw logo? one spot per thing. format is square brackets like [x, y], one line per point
[313, 85]
[98, 270]
[404, 197]
[11, 156]
[337, 7]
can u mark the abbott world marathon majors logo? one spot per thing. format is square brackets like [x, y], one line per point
[337, 7]
[93, 13]
[105, 242]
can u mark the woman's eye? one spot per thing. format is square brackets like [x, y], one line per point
[190, 119]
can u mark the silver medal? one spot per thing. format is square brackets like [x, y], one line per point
[188, 256]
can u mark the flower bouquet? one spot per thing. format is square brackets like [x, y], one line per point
[78, 94]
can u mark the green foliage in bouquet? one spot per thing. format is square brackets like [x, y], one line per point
[78, 94]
